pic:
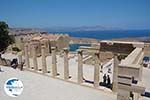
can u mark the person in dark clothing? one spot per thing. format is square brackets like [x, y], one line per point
[108, 80]
[14, 63]
[0, 69]
[21, 66]
[104, 79]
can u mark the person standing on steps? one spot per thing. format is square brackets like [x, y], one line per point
[108, 80]
[104, 79]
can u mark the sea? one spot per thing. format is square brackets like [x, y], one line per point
[105, 35]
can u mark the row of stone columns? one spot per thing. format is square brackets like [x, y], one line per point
[66, 63]
[44, 68]
[35, 65]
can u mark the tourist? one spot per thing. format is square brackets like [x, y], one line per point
[108, 80]
[0, 69]
[104, 79]
[14, 63]
[21, 66]
[0, 59]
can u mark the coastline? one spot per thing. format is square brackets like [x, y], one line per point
[92, 40]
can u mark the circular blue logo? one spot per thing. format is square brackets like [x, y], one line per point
[13, 87]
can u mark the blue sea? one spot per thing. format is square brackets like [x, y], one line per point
[75, 46]
[105, 35]
[109, 34]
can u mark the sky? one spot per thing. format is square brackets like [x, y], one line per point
[126, 14]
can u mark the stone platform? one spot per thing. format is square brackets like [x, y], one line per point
[40, 87]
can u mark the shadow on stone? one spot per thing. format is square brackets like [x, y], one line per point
[70, 76]
[58, 74]
[100, 84]
[88, 81]
[146, 94]
[1, 70]
[48, 71]
[106, 85]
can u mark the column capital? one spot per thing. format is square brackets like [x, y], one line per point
[79, 51]
[53, 48]
[66, 50]
[43, 46]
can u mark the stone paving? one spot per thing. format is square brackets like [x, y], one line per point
[40, 87]
[88, 70]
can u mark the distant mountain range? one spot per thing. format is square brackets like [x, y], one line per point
[23, 31]
[80, 28]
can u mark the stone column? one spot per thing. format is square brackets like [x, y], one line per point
[96, 70]
[80, 67]
[34, 57]
[20, 58]
[26, 56]
[66, 66]
[44, 68]
[45, 43]
[115, 73]
[54, 65]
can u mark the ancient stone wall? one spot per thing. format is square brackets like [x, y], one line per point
[147, 49]
[116, 47]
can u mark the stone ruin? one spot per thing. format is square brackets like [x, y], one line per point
[59, 41]
[127, 71]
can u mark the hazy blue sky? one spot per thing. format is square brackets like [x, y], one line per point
[127, 14]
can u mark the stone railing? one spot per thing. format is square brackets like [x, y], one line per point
[130, 76]
[123, 72]
[54, 66]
